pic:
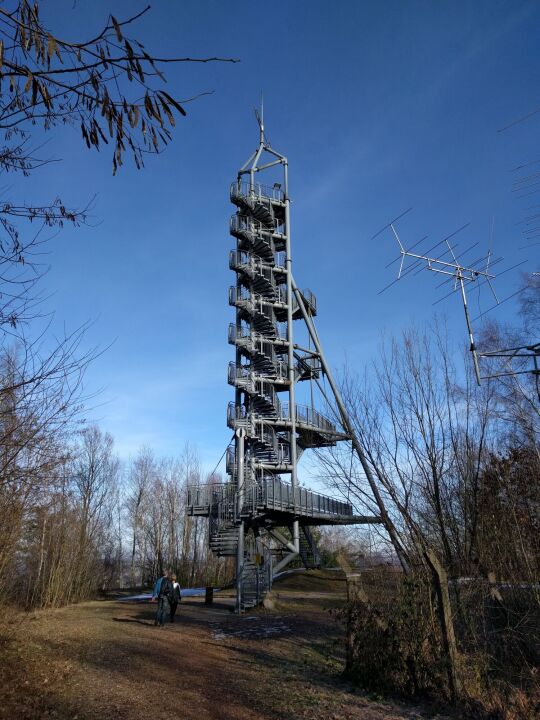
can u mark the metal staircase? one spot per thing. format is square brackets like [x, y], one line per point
[224, 538]
[271, 429]
[309, 552]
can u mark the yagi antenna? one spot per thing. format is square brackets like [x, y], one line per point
[454, 270]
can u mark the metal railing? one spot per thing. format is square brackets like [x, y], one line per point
[258, 302]
[245, 224]
[240, 189]
[276, 494]
[258, 430]
[268, 493]
[238, 295]
[254, 300]
[280, 259]
[309, 367]
[245, 332]
[253, 383]
[257, 344]
[230, 459]
[248, 376]
[282, 453]
[309, 416]
[241, 260]
[309, 299]
[281, 296]
[243, 295]
[208, 495]
[239, 372]
[246, 336]
[238, 416]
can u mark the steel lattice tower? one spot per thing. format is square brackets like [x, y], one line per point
[271, 430]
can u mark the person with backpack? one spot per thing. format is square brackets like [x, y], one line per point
[163, 592]
[175, 599]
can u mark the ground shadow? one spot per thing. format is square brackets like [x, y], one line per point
[149, 623]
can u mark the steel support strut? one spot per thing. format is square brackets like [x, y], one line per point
[290, 362]
[240, 435]
[348, 427]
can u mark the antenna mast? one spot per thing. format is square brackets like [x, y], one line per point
[460, 274]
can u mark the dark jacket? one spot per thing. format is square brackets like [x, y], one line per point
[176, 596]
[163, 588]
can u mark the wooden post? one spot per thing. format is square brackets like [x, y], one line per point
[353, 600]
[445, 619]
[209, 596]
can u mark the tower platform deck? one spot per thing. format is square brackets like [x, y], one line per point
[276, 502]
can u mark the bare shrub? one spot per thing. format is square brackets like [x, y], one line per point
[397, 644]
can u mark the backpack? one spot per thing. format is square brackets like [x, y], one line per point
[166, 589]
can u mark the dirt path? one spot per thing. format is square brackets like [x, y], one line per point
[107, 660]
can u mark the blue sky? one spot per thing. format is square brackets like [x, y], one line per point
[378, 105]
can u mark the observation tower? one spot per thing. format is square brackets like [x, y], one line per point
[261, 515]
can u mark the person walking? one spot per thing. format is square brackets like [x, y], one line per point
[163, 591]
[175, 598]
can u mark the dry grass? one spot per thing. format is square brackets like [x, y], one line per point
[106, 659]
[314, 581]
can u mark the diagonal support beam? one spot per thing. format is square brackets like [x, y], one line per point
[282, 539]
[283, 563]
[348, 427]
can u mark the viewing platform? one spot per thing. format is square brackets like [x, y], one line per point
[275, 500]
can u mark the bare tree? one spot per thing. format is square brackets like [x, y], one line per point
[36, 419]
[95, 476]
[442, 456]
[140, 476]
[54, 498]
